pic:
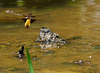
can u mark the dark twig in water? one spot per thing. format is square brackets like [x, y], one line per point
[21, 52]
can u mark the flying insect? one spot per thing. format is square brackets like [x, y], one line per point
[28, 19]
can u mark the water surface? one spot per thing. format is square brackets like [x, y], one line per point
[78, 22]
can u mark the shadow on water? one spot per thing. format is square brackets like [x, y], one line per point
[96, 47]
[69, 40]
[17, 69]
[75, 38]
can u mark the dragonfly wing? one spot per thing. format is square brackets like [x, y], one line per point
[32, 20]
[24, 19]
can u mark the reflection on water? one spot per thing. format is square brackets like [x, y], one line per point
[92, 10]
[90, 2]
[29, 3]
[77, 22]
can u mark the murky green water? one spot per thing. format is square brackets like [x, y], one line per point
[76, 21]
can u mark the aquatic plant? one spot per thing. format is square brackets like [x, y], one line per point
[29, 61]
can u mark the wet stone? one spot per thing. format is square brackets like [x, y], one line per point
[34, 58]
[48, 39]
[81, 62]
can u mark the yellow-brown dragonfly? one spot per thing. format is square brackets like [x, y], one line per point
[27, 19]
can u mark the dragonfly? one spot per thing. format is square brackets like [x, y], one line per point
[28, 19]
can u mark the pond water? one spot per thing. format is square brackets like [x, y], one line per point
[78, 22]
